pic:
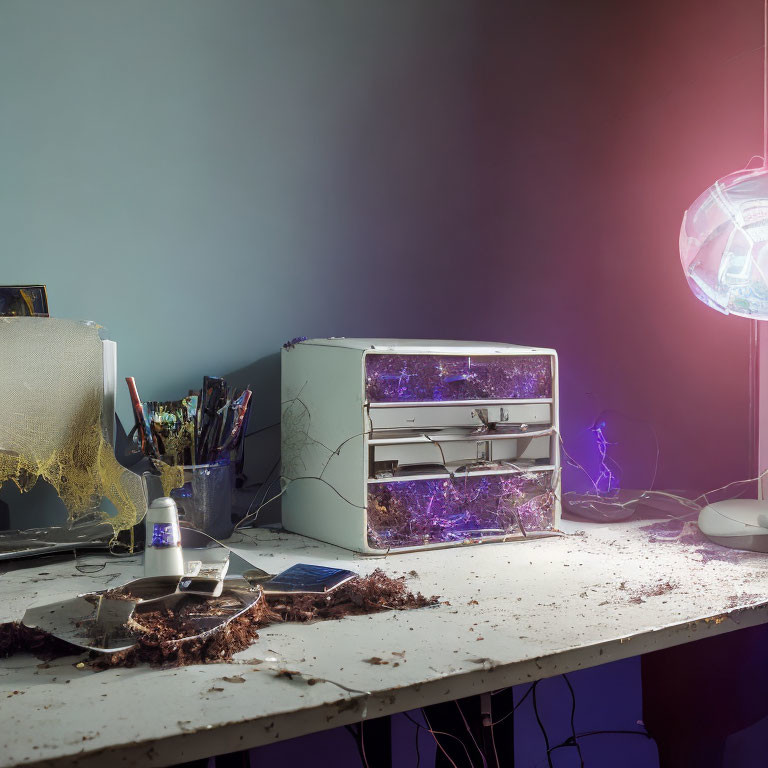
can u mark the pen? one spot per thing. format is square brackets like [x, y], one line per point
[147, 443]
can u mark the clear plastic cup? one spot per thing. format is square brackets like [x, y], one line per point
[205, 499]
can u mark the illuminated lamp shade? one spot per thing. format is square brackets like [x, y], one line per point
[724, 245]
[724, 251]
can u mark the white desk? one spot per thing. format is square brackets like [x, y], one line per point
[515, 612]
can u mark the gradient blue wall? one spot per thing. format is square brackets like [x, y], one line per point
[208, 180]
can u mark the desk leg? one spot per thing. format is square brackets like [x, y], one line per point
[233, 760]
[698, 694]
[375, 736]
[463, 720]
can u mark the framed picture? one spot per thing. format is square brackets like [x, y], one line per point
[23, 301]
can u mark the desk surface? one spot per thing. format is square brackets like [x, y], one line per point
[510, 613]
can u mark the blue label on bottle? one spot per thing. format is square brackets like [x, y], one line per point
[163, 535]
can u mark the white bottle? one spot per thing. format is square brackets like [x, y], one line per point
[162, 551]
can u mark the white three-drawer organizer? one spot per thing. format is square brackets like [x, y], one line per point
[396, 445]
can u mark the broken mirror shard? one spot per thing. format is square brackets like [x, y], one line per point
[447, 510]
[421, 378]
[116, 620]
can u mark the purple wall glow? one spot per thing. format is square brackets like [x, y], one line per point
[586, 167]
[521, 176]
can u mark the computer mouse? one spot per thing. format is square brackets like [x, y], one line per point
[736, 523]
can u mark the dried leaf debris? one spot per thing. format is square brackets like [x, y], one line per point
[157, 637]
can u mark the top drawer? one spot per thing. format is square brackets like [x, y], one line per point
[429, 378]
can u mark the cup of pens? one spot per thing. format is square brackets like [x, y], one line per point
[203, 433]
[205, 499]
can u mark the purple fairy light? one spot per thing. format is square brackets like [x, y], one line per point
[607, 482]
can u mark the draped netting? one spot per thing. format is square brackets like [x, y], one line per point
[51, 399]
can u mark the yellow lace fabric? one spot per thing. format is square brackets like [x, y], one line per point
[51, 396]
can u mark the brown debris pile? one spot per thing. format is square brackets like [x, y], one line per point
[745, 599]
[643, 593]
[377, 592]
[15, 638]
[388, 513]
[158, 632]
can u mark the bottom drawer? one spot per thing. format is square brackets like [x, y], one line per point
[424, 512]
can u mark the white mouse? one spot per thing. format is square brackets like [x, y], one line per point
[737, 523]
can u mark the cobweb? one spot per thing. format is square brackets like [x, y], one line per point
[51, 398]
